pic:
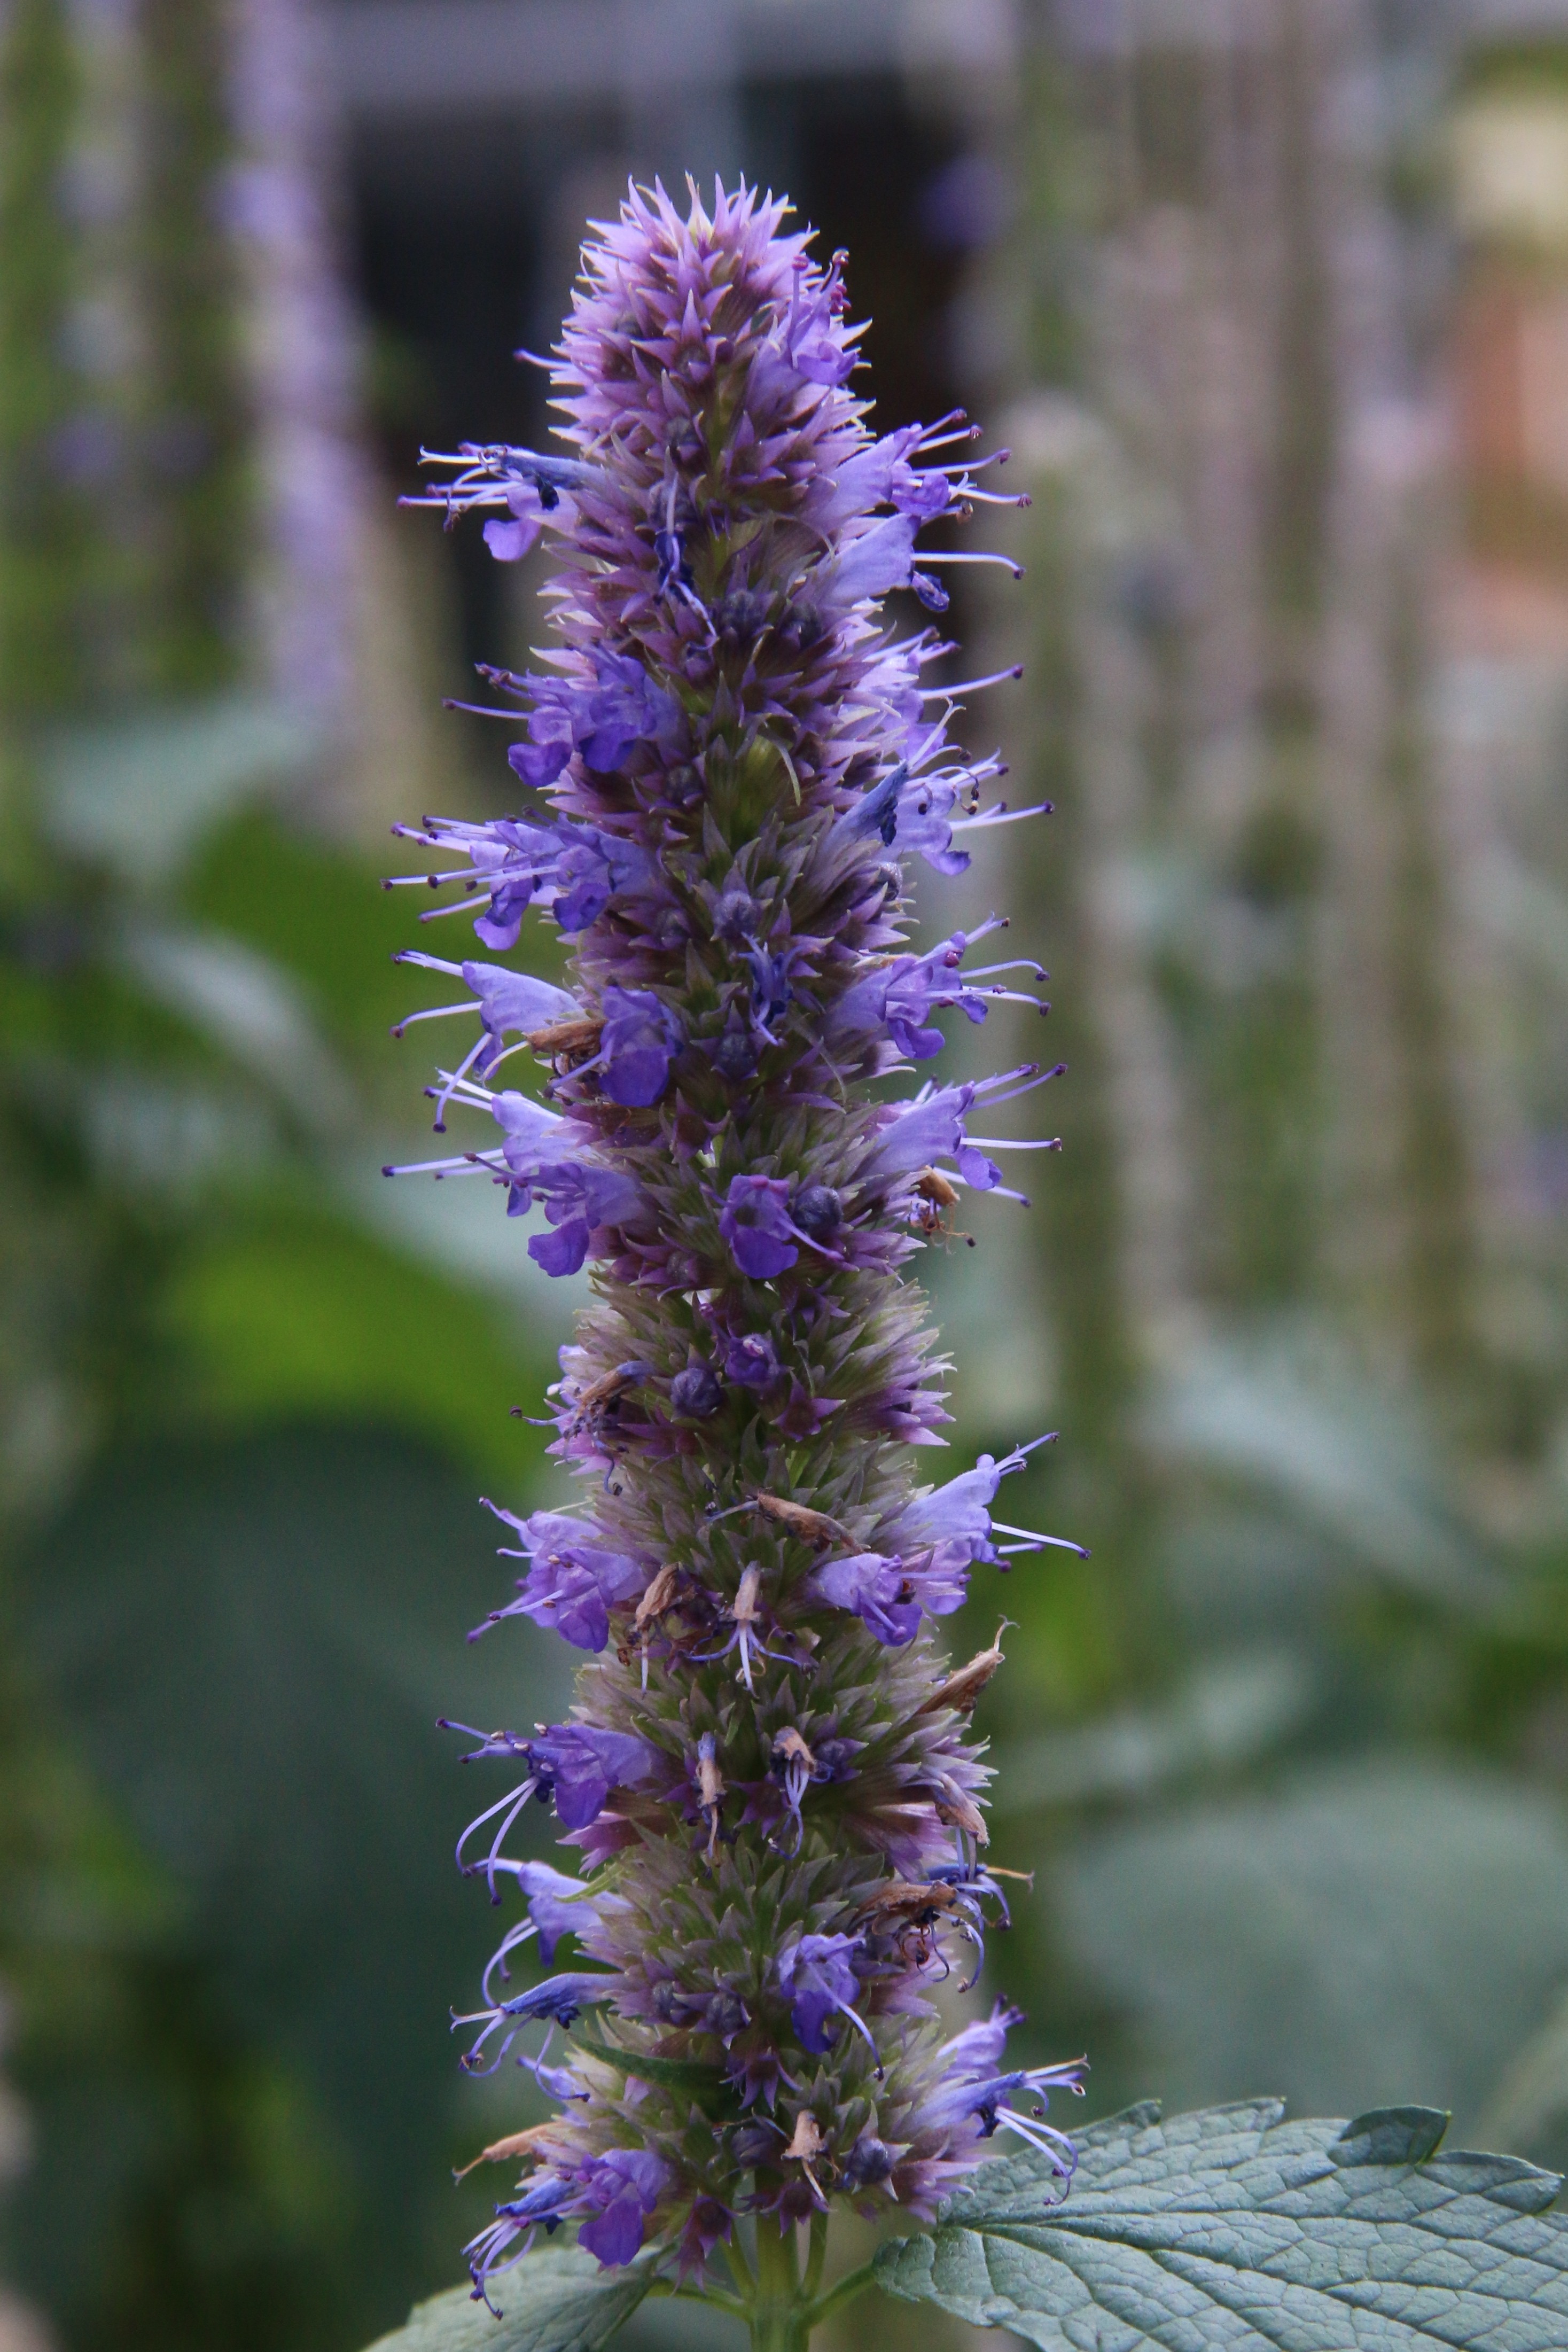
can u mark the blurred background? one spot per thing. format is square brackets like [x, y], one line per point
[1269, 298]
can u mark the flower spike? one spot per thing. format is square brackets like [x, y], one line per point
[716, 772]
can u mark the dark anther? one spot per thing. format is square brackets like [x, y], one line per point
[818, 1210]
[683, 785]
[694, 1393]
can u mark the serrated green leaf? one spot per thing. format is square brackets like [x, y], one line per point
[556, 2300]
[1233, 2228]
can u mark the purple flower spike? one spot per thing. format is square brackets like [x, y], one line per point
[726, 757]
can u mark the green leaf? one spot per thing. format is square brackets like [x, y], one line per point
[708, 2086]
[556, 2300]
[1353, 1928]
[1233, 2228]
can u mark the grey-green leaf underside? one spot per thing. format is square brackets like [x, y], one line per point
[1232, 2228]
[556, 2300]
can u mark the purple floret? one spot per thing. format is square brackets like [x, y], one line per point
[578, 1765]
[640, 1041]
[816, 1975]
[573, 1582]
[756, 1223]
[620, 2190]
[727, 758]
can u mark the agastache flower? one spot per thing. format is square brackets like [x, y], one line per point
[717, 773]
[573, 1580]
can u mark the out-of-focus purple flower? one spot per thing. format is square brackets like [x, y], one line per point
[968, 204]
[510, 541]
[573, 1581]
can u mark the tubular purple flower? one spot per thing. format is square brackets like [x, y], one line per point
[558, 1907]
[770, 1791]
[882, 1596]
[902, 997]
[641, 1039]
[816, 1975]
[620, 2190]
[573, 1582]
[756, 1223]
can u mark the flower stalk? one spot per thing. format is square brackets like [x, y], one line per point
[769, 1785]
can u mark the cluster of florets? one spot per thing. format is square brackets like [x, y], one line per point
[769, 1777]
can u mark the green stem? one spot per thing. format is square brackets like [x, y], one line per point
[818, 2256]
[780, 2316]
[854, 2283]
